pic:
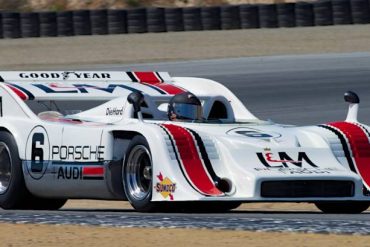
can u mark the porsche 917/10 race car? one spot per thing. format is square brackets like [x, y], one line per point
[163, 143]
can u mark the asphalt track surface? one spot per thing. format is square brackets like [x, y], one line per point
[301, 90]
[298, 90]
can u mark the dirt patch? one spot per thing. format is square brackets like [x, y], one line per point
[74, 52]
[44, 235]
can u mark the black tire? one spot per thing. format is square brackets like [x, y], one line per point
[99, 22]
[11, 25]
[192, 19]
[360, 11]
[16, 193]
[174, 19]
[268, 16]
[117, 21]
[211, 18]
[137, 187]
[249, 17]
[16, 196]
[342, 207]
[323, 12]
[156, 20]
[137, 20]
[286, 14]
[65, 23]
[30, 26]
[304, 14]
[230, 17]
[342, 12]
[81, 22]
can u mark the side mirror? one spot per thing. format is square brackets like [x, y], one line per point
[136, 99]
[351, 97]
[353, 100]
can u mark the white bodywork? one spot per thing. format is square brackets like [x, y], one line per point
[83, 152]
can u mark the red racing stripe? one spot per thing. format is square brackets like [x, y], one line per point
[152, 79]
[94, 170]
[191, 162]
[18, 92]
[360, 146]
[169, 88]
[149, 77]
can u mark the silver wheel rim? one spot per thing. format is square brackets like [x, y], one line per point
[5, 168]
[138, 173]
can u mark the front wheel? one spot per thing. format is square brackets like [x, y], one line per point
[342, 207]
[137, 175]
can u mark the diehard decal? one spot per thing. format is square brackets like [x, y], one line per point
[114, 111]
[165, 187]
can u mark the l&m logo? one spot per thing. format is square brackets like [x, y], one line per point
[282, 159]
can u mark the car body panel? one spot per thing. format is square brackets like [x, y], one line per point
[80, 154]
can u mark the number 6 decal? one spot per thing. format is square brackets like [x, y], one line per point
[37, 152]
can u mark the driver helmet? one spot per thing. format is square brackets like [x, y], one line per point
[185, 106]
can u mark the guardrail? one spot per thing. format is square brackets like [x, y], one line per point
[142, 20]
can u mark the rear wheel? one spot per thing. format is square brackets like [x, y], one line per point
[342, 207]
[137, 175]
[13, 192]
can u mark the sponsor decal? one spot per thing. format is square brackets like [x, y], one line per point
[282, 159]
[165, 187]
[115, 111]
[37, 152]
[303, 171]
[252, 133]
[80, 88]
[64, 75]
[78, 172]
[77, 152]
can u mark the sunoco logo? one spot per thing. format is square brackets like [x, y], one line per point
[165, 187]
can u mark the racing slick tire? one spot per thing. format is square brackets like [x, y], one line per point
[137, 175]
[342, 207]
[13, 191]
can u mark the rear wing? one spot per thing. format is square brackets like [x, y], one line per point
[86, 85]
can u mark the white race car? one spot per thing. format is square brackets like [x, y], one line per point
[167, 143]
